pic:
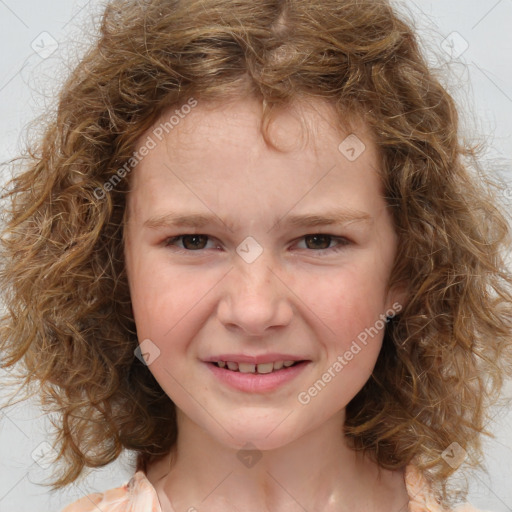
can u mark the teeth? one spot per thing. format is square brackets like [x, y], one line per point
[252, 368]
[265, 367]
[246, 367]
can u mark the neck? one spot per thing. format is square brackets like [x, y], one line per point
[317, 471]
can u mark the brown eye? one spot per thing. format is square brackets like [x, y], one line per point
[189, 242]
[318, 241]
[194, 241]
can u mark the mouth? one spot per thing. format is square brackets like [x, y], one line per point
[257, 378]
[262, 368]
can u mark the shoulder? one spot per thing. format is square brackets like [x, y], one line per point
[421, 499]
[135, 495]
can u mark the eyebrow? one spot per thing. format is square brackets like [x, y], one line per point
[199, 220]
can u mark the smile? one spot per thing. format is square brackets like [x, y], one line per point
[260, 378]
[255, 368]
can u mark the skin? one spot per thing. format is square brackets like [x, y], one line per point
[300, 296]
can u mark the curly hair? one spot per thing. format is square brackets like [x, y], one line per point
[68, 317]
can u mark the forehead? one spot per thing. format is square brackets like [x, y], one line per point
[290, 127]
[221, 145]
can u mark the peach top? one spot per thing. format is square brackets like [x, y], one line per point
[139, 495]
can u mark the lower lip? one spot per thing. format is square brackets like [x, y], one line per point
[257, 382]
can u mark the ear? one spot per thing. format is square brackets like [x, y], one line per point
[397, 298]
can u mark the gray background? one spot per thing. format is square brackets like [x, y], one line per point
[469, 41]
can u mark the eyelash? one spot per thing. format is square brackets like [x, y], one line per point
[342, 243]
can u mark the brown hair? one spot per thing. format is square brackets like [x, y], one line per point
[68, 313]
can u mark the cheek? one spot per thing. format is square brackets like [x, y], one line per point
[168, 304]
[349, 301]
[157, 303]
[350, 306]
[354, 340]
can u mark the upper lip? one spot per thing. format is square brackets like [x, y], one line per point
[260, 359]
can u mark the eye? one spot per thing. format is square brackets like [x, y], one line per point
[318, 242]
[321, 241]
[191, 242]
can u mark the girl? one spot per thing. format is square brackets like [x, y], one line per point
[251, 249]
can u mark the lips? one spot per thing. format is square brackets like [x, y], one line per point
[256, 382]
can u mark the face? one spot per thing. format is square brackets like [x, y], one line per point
[241, 253]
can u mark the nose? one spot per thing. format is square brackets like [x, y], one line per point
[255, 298]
